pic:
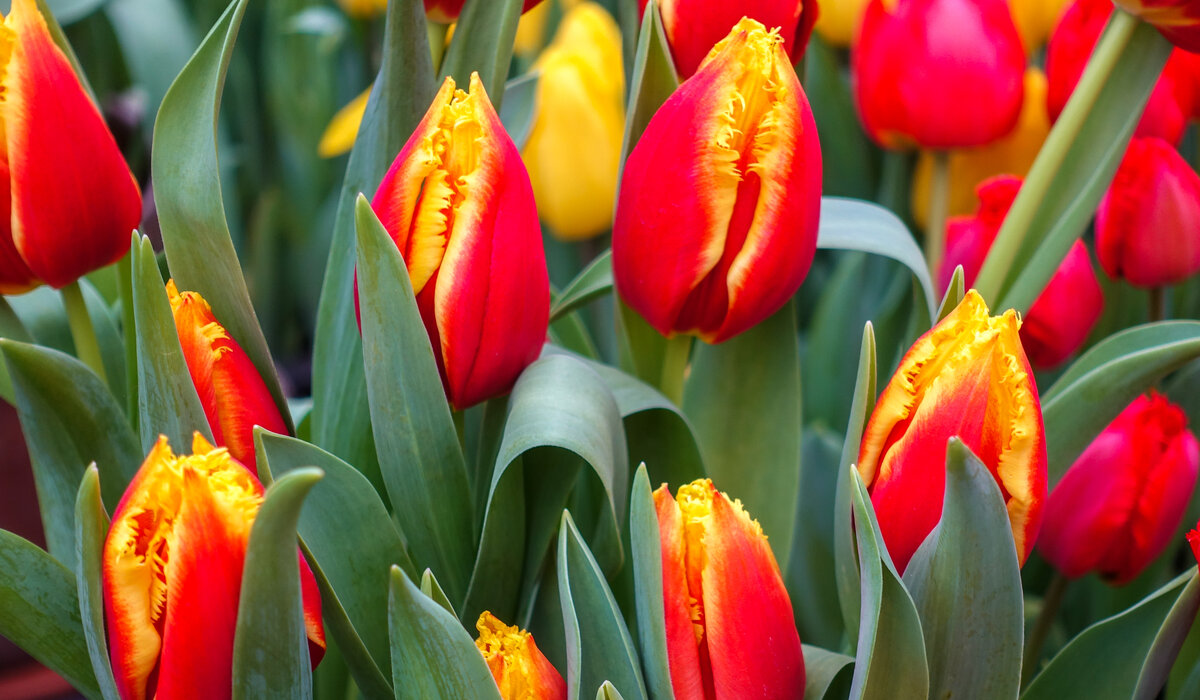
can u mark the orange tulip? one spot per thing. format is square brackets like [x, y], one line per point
[730, 630]
[70, 202]
[967, 377]
[521, 671]
[172, 575]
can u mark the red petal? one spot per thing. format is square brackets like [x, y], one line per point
[683, 655]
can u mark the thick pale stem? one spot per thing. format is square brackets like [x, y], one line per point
[1051, 602]
[87, 348]
[939, 204]
[1158, 304]
[674, 367]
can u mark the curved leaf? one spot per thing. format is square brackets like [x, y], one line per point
[91, 529]
[653, 77]
[483, 43]
[519, 109]
[592, 282]
[811, 575]
[824, 672]
[646, 550]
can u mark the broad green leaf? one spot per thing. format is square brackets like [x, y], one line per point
[954, 294]
[1127, 655]
[599, 647]
[166, 397]
[432, 655]
[594, 281]
[1102, 382]
[39, 612]
[891, 658]
[11, 328]
[270, 648]
[825, 673]
[433, 589]
[187, 191]
[483, 43]
[966, 582]
[811, 574]
[653, 77]
[743, 397]
[91, 528]
[69, 420]
[646, 550]
[344, 508]
[520, 107]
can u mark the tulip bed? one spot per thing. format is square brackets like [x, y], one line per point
[607, 363]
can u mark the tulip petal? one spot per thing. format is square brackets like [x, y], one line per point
[15, 275]
[687, 678]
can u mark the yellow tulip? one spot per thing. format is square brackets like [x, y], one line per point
[1035, 20]
[838, 21]
[531, 30]
[343, 128]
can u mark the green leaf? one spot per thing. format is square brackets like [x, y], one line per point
[646, 549]
[596, 280]
[608, 691]
[1127, 655]
[432, 655]
[653, 77]
[966, 582]
[1102, 382]
[743, 397]
[39, 612]
[606, 651]
[954, 294]
[270, 648]
[433, 589]
[91, 528]
[167, 399]
[69, 420]
[520, 107]
[483, 43]
[344, 508]
[811, 574]
[187, 191]
[415, 437]
[891, 659]
[825, 673]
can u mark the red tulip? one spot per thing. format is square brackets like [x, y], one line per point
[521, 671]
[938, 74]
[1174, 96]
[1063, 315]
[172, 575]
[234, 395]
[1193, 538]
[1120, 503]
[70, 202]
[1178, 20]
[458, 203]
[446, 11]
[693, 27]
[730, 630]
[1148, 224]
[716, 222]
[967, 377]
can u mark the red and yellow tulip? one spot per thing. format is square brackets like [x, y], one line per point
[70, 202]
[233, 393]
[1178, 20]
[730, 630]
[967, 377]
[172, 575]
[717, 214]
[521, 671]
[458, 204]
[446, 11]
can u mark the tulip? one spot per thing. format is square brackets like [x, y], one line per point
[1174, 96]
[458, 204]
[446, 11]
[574, 149]
[838, 21]
[1147, 225]
[716, 222]
[1120, 503]
[693, 27]
[1035, 19]
[730, 630]
[1193, 538]
[342, 130]
[363, 9]
[172, 575]
[1063, 315]
[1177, 20]
[234, 395]
[939, 74]
[70, 201]
[967, 377]
[521, 671]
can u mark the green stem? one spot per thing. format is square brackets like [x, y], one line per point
[1158, 304]
[87, 348]
[1050, 159]
[674, 367]
[1051, 602]
[894, 181]
[939, 205]
[129, 328]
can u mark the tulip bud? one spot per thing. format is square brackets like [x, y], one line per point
[521, 671]
[1120, 503]
[574, 147]
[967, 377]
[1060, 319]
[234, 395]
[1035, 19]
[717, 216]
[172, 575]
[446, 11]
[1178, 20]
[838, 21]
[939, 74]
[1174, 97]
[1146, 227]
[730, 630]
[458, 204]
[694, 26]
[70, 202]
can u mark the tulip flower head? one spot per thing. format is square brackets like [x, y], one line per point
[1120, 503]
[967, 377]
[716, 222]
[233, 393]
[172, 575]
[939, 74]
[1148, 224]
[446, 11]
[730, 630]
[1178, 20]
[521, 671]
[69, 203]
[458, 204]
[838, 21]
